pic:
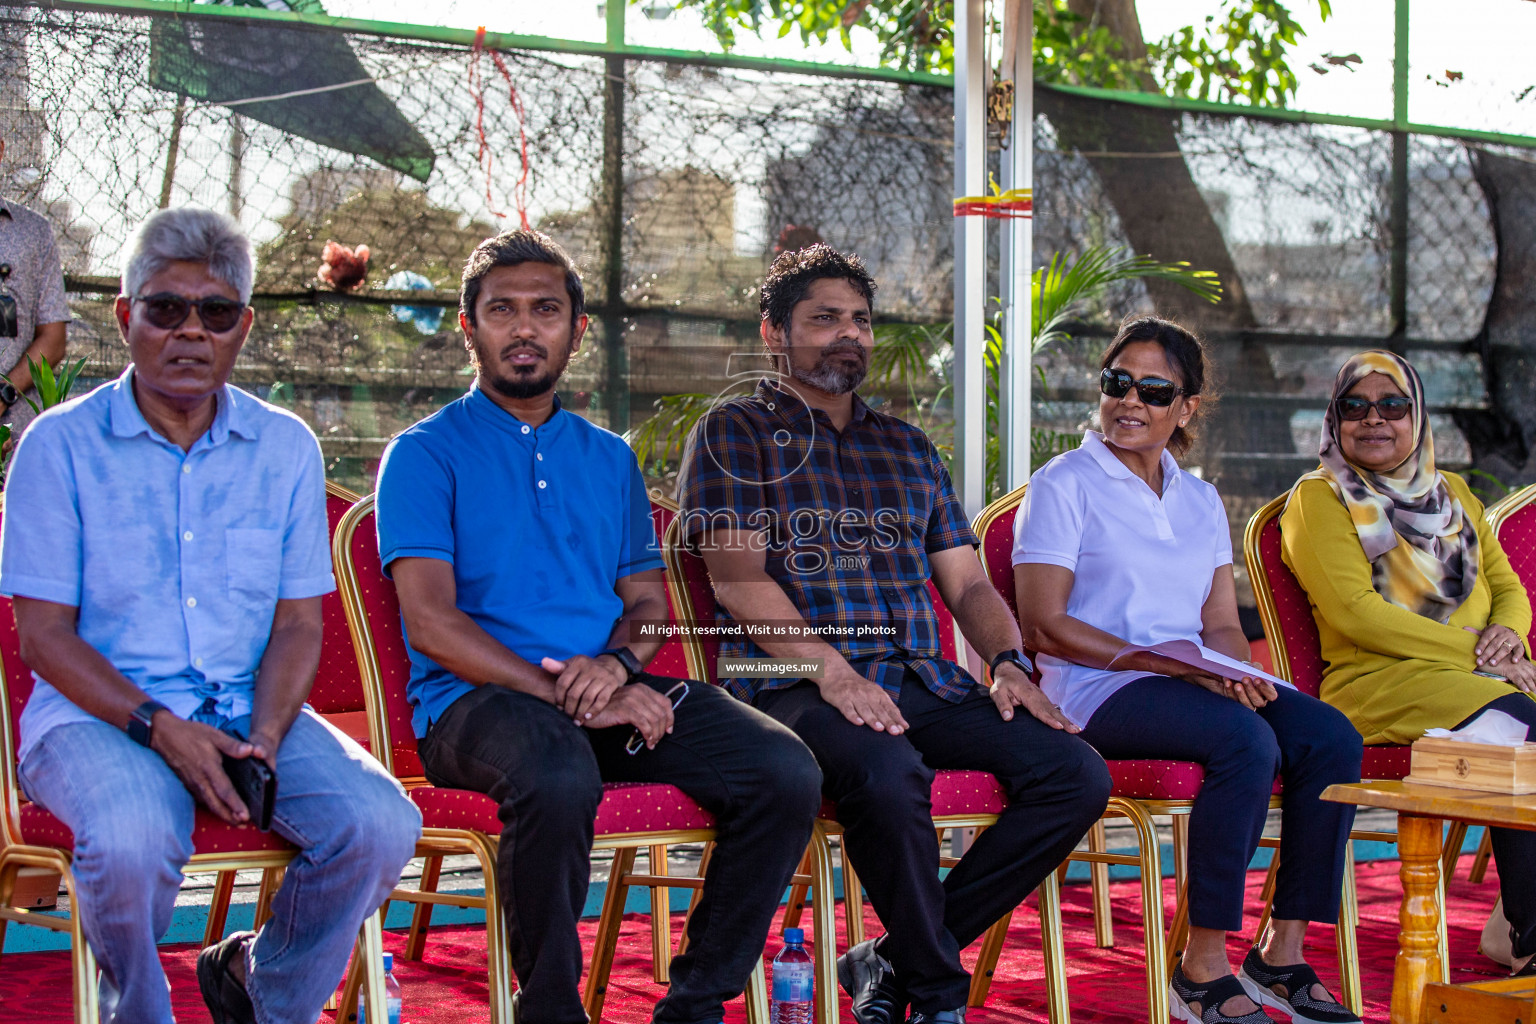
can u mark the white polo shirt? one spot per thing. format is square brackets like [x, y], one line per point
[1143, 564]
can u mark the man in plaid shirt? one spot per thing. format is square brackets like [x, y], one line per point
[823, 522]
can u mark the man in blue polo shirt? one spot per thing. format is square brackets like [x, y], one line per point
[166, 546]
[520, 541]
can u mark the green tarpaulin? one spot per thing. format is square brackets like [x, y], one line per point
[213, 61]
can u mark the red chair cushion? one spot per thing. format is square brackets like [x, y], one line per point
[967, 792]
[627, 808]
[954, 792]
[1160, 780]
[1298, 629]
[1156, 780]
[1386, 763]
[209, 834]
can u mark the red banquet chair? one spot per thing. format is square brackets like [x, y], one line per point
[631, 816]
[33, 837]
[1143, 788]
[1513, 518]
[961, 799]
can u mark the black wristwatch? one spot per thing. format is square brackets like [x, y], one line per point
[141, 721]
[1013, 656]
[10, 396]
[626, 658]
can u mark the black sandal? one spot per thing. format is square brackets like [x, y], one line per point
[223, 993]
[1259, 979]
[1211, 996]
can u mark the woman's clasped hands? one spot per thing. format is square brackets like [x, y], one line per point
[1500, 652]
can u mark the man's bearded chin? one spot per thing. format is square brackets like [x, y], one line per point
[523, 385]
[832, 379]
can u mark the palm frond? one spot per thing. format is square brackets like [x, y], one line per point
[660, 439]
[1061, 288]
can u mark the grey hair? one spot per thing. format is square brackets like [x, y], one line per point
[191, 236]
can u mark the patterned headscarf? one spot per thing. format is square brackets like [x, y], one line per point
[1421, 543]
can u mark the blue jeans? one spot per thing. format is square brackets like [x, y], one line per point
[132, 819]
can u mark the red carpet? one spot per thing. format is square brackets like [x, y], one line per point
[448, 987]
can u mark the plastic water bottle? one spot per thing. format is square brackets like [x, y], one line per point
[793, 982]
[391, 994]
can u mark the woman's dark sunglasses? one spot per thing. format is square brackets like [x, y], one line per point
[1153, 390]
[168, 311]
[1393, 407]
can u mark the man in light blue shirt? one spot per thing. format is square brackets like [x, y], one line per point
[165, 542]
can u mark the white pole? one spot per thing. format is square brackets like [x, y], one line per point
[1017, 249]
[970, 260]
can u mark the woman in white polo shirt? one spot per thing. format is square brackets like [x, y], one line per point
[1116, 545]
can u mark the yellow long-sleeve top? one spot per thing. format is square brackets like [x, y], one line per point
[1393, 672]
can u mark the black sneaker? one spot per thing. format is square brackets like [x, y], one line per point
[1259, 980]
[225, 995]
[870, 981]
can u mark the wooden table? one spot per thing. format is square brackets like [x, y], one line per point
[1417, 995]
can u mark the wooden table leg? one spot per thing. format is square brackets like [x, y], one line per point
[1418, 957]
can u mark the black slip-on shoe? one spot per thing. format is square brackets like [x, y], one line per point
[1210, 996]
[223, 993]
[1259, 981]
[870, 981]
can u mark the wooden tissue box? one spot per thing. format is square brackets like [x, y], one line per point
[1438, 761]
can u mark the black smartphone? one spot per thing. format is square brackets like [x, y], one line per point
[257, 785]
[9, 320]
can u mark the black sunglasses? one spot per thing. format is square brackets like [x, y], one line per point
[1393, 407]
[1153, 390]
[675, 694]
[168, 311]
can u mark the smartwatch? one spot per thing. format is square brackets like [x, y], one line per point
[10, 396]
[626, 658]
[141, 721]
[1013, 656]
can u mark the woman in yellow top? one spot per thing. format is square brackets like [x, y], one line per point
[1421, 618]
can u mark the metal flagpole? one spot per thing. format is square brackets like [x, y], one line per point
[970, 395]
[1017, 249]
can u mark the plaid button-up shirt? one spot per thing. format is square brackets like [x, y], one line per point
[849, 518]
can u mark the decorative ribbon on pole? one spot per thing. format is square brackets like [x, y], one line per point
[1016, 202]
[477, 91]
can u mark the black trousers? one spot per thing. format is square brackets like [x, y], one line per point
[759, 781]
[1057, 788]
[1308, 743]
[1514, 850]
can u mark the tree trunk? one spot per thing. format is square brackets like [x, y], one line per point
[1503, 436]
[1160, 206]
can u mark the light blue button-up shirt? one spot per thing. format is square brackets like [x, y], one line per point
[176, 560]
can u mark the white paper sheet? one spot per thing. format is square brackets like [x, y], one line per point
[1201, 657]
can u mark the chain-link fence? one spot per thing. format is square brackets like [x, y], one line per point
[674, 183]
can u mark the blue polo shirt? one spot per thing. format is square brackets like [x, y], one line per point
[176, 560]
[539, 523]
